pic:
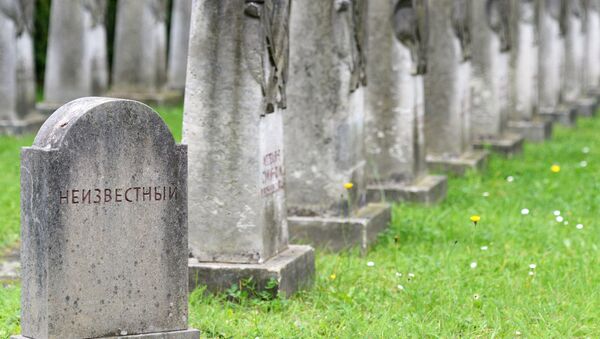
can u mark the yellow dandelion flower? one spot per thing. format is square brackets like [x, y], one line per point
[332, 276]
[475, 219]
[555, 168]
[348, 185]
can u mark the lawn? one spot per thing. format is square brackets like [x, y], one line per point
[522, 270]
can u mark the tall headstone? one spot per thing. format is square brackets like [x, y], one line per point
[573, 92]
[524, 88]
[16, 82]
[448, 90]
[591, 72]
[551, 55]
[324, 128]
[178, 43]
[234, 105]
[26, 95]
[139, 68]
[490, 77]
[395, 104]
[104, 225]
[76, 61]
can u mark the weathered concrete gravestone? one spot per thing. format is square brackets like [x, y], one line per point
[325, 127]
[140, 57]
[524, 56]
[235, 99]
[551, 63]
[77, 63]
[591, 71]
[490, 77]
[394, 128]
[448, 90]
[17, 85]
[104, 225]
[178, 44]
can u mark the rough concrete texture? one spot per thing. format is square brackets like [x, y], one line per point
[103, 224]
[491, 72]
[184, 334]
[475, 160]
[427, 189]
[292, 269]
[325, 119]
[140, 56]
[447, 86]
[338, 233]
[535, 130]
[178, 44]
[507, 144]
[233, 124]
[77, 62]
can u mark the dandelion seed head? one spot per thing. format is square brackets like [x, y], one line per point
[518, 333]
[531, 273]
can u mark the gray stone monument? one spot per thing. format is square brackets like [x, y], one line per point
[490, 77]
[140, 55]
[16, 113]
[524, 88]
[395, 111]
[235, 100]
[104, 225]
[76, 62]
[25, 60]
[573, 92]
[324, 127]
[448, 90]
[591, 74]
[178, 44]
[551, 63]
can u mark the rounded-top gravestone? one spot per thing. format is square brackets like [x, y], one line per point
[104, 225]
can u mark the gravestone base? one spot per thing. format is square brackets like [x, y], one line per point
[183, 334]
[535, 130]
[507, 144]
[564, 115]
[10, 266]
[472, 160]
[165, 97]
[428, 190]
[47, 108]
[293, 269]
[339, 233]
[30, 125]
[586, 107]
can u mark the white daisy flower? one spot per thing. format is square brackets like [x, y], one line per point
[518, 333]
[585, 150]
[525, 211]
[560, 219]
[410, 275]
[474, 265]
[400, 287]
[370, 264]
[579, 226]
[556, 213]
[486, 194]
[583, 164]
[484, 248]
[532, 266]
[398, 274]
[510, 178]
[531, 273]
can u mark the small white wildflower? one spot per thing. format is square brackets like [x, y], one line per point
[579, 226]
[556, 213]
[559, 219]
[400, 287]
[474, 265]
[585, 150]
[566, 222]
[370, 264]
[531, 273]
[484, 248]
[486, 194]
[398, 274]
[583, 164]
[510, 178]
[525, 211]
[476, 296]
[517, 333]
[410, 275]
[532, 266]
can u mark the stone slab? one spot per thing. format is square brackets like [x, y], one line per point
[472, 160]
[564, 115]
[507, 144]
[535, 130]
[167, 97]
[339, 233]
[586, 107]
[293, 269]
[184, 334]
[428, 190]
[30, 125]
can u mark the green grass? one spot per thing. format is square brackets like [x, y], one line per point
[445, 297]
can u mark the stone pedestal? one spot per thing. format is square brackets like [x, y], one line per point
[428, 190]
[586, 106]
[184, 334]
[507, 144]
[537, 130]
[564, 115]
[235, 103]
[475, 160]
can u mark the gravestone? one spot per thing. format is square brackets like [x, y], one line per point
[395, 112]
[77, 63]
[324, 128]
[551, 63]
[524, 56]
[490, 99]
[573, 93]
[25, 60]
[235, 100]
[104, 225]
[178, 44]
[16, 113]
[448, 91]
[591, 67]
[139, 69]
